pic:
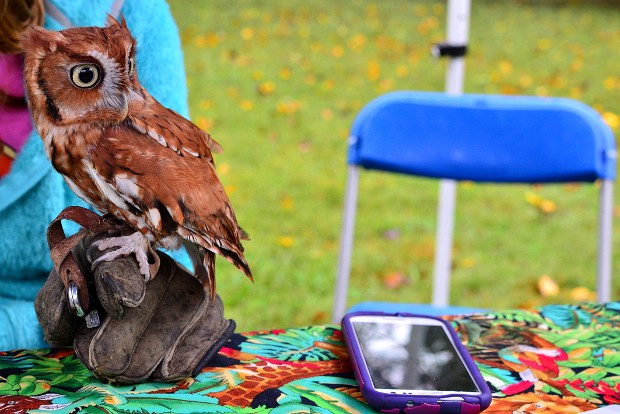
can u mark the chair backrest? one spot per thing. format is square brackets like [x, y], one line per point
[482, 138]
[485, 138]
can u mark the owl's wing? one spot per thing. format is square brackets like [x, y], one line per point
[169, 193]
[171, 130]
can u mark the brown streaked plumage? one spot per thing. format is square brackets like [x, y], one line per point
[123, 152]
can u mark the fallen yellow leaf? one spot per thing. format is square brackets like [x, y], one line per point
[611, 119]
[266, 88]
[223, 168]
[543, 44]
[247, 33]
[547, 287]
[547, 206]
[402, 71]
[505, 67]
[246, 105]
[525, 81]
[395, 280]
[582, 294]
[542, 204]
[468, 262]
[288, 107]
[287, 202]
[286, 241]
[205, 104]
[285, 73]
[533, 198]
[373, 70]
[204, 123]
[611, 83]
[357, 41]
[337, 51]
[327, 114]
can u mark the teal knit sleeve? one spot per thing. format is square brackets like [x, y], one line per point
[32, 194]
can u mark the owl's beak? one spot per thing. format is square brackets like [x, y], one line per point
[124, 110]
[121, 107]
[115, 106]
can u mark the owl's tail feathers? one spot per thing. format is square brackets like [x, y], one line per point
[205, 271]
[204, 265]
[244, 234]
[233, 253]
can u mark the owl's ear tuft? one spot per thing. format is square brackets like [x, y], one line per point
[111, 21]
[39, 38]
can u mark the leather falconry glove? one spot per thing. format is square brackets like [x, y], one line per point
[123, 329]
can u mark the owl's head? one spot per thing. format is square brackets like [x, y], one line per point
[80, 75]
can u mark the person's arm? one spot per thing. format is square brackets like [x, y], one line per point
[32, 193]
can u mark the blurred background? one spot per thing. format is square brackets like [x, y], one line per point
[278, 83]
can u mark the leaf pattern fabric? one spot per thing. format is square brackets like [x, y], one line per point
[553, 359]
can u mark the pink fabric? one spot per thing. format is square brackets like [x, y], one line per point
[12, 80]
[15, 123]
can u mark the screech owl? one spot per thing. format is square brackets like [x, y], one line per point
[124, 153]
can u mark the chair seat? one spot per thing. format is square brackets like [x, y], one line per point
[415, 308]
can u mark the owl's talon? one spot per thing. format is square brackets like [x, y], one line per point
[135, 244]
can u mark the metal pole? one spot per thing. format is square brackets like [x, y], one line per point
[606, 213]
[346, 244]
[457, 35]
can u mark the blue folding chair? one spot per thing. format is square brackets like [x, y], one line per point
[480, 138]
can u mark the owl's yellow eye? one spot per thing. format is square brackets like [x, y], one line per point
[85, 75]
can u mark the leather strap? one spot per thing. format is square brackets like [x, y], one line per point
[61, 246]
[59, 16]
[53, 11]
[115, 9]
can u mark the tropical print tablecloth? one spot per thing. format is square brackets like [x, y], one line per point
[555, 359]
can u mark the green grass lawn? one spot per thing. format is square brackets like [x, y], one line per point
[278, 83]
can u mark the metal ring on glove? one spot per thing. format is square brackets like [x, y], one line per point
[74, 300]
